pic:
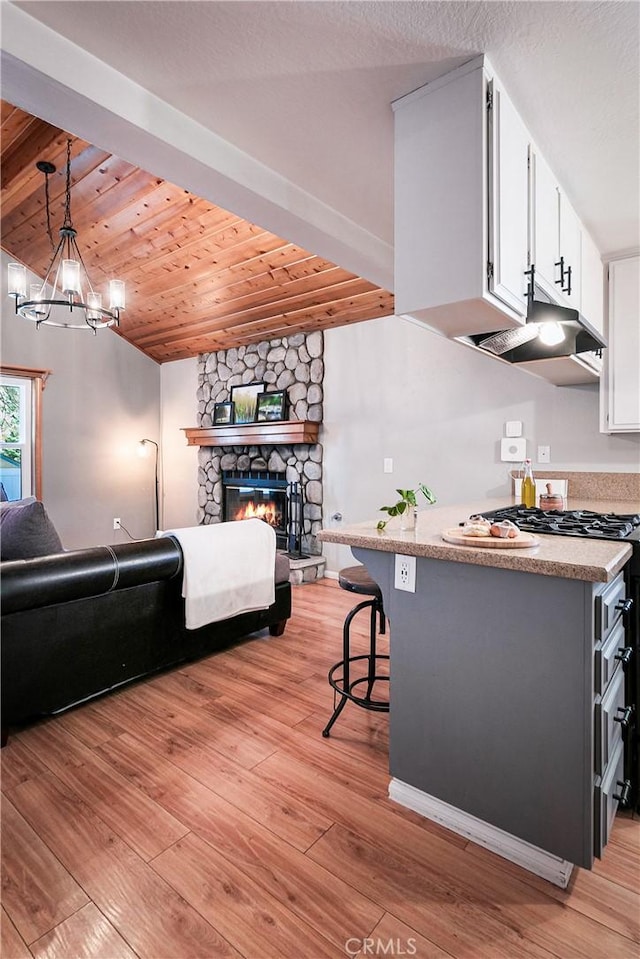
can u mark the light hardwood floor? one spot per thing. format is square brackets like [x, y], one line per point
[201, 813]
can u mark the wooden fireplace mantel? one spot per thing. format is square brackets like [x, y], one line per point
[282, 433]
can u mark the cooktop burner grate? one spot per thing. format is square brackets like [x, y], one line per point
[569, 522]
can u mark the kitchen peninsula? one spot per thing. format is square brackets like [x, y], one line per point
[500, 724]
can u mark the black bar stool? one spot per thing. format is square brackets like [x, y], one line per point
[357, 580]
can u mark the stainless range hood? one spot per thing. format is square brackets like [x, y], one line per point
[550, 331]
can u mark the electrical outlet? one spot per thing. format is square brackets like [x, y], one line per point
[388, 464]
[544, 454]
[405, 573]
[116, 522]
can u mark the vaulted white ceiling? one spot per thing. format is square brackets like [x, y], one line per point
[305, 87]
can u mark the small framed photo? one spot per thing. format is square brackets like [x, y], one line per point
[222, 414]
[244, 398]
[272, 406]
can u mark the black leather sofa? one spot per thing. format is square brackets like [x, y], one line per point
[81, 623]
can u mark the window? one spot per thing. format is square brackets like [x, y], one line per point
[20, 432]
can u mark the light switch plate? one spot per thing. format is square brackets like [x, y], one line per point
[513, 450]
[513, 428]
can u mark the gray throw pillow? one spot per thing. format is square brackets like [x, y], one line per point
[26, 531]
[12, 503]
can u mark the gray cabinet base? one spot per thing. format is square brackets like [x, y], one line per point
[492, 697]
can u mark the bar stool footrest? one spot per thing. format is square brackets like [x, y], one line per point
[377, 705]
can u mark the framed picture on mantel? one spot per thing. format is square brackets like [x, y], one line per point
[245, 399]
[222, 414]
[272, 407]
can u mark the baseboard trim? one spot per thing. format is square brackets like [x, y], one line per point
[330, 574]
[537, 861]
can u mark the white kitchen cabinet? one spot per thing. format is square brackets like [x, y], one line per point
[475, 206]
[508, 200]
[556, 236]
[570, 252]
[592, 283]
[443, 212]
[545, 224]
[620, 385]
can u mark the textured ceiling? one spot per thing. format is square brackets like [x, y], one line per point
[306, 86]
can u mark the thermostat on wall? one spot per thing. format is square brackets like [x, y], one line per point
[513, 449]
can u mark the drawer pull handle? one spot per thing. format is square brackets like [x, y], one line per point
[624, 655]
[623, 796]
[625, 718]
[624, 606]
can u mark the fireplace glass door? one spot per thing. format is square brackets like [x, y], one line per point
[246, 497]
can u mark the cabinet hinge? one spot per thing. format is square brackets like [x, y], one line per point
[489, 270]
[489, 98]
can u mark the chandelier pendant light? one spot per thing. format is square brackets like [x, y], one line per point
[65, 297]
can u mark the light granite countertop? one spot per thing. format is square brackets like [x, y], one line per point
[569, 557]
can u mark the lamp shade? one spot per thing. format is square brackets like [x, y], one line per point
[116, 295]
[17, 279]
[70, 276]
[94, 306]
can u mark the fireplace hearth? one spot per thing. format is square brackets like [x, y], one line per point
[260, 494]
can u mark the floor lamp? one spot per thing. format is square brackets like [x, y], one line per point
[143, 452]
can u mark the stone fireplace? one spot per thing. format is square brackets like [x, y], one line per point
[295, 364]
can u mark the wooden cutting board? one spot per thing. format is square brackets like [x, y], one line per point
[521, 541]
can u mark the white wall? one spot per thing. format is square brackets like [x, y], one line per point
[103, 396]
[179, 408]
[394, 389]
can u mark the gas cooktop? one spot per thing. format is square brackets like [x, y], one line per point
[578, 522]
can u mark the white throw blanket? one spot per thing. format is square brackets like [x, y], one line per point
[228, 569]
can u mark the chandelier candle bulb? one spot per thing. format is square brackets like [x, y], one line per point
[17, 280]
[94, 305]
[116, 294]
[70, 276]
[36, 295]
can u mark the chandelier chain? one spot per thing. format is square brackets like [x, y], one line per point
[67, 225]
[48, 209]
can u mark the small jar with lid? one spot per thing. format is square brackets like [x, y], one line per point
[551, 500]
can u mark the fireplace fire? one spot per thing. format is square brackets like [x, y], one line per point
[262, 495]
[266, 511]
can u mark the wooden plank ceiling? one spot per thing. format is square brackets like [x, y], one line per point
[198, 278]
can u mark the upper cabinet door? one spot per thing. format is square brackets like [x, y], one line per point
[570, 252]
[592, 299]
[556, 236]
[545, 224]
[620, 390]
[509, 202]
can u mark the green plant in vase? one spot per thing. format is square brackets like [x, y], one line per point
[408, 501]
